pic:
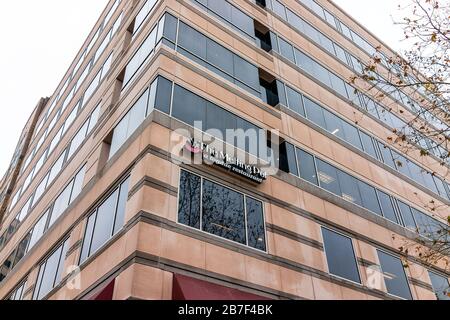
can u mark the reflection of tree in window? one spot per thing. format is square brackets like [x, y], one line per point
[255, 224]
[189, 202]
[223, 212]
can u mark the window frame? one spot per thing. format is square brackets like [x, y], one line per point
[322, 227]
[244, 195]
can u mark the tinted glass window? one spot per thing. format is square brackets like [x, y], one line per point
[77, 140]
[221, 8]
[349, 188]
[278, 8]
[50, 272]
[394, 276]
[192, 40]
[137, 113]
[223, 212]
[287, 158]
[85, 251]
[333, 124]
[189, 200]
[61, 203]
[246, 72]
[328, 177]
[104, 222]
[286, 50]
[441, 286]
[220, 57]
[340, 256]
[295, 101]
[427, 226]
[368, 145]
[77, 184]
[255, 224]
[38, 230]
[369, 197]
[307, 166]
[188, 107]
[242, 21]
[407, 215]
[387, 155]
[121, 206]
[351, 135]
[163, 95]
[314, 112]
[387, 207]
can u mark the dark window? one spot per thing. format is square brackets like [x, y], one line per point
[369, 198]
[222, 211]
[242, 21]
[188, 107]
[220, 57]
[192, 40]
[170, 27]
[307, 166]
[428, 226]
[286, 50]
[50, 272]
[387, 155]
[369, 147]
[189, 201]
[328, 177]
[255, 224]
[441, 286]
[22, 249]
[387, 207]
[287, 158]
[394, 276]
[333, 124]
[163, 95]
[351, 135]
[106, 221]
[407, 216]
[246, 72]
[314, 112]
[340, 256]
[221, 8]
[349, 188]
[338, 85]
[295, 101]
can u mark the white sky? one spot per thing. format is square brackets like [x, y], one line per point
[41, 38]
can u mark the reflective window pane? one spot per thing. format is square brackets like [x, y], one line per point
[394, 276]
[441, 286]
[387, 207]
[255, 224]
[307, 166]
[340, 256]
[328, 177]
[223, 212]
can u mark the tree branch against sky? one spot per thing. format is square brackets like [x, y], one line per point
[420, 74]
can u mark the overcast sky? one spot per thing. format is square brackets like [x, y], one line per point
[41, 38]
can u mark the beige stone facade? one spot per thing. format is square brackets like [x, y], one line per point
[143, 257]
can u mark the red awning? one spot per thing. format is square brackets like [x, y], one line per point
[186, 288]
[103, 293]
